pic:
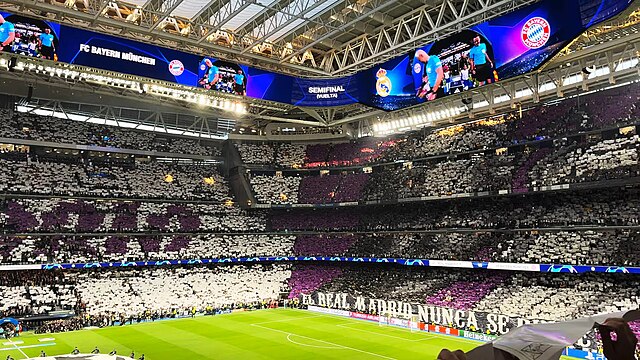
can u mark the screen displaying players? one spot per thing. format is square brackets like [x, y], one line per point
[501, 48]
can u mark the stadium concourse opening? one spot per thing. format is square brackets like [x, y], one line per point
[294, 179]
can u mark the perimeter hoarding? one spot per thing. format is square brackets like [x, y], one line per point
[549, 268]
[471, 324]
[501, 48]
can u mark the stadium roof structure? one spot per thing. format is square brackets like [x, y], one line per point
[346, 36]
[300, 37]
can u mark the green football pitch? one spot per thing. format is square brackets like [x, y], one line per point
[264, 334]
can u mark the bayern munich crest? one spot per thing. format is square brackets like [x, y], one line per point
[176, 68]
[536, 32]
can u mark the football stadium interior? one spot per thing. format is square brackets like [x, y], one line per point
[320, 179]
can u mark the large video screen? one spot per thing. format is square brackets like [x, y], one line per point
[53, 41]
[223, 76]
[31, 37]
[502, 48]
[510, 45]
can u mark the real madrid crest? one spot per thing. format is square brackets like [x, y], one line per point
[383, 85]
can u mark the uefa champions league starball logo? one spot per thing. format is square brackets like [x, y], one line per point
[617, 269]
[176, 68]
[536, 32]
[562, 269]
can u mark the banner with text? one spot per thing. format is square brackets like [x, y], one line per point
[476, 325]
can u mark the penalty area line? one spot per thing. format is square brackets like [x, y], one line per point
[337, 346]
[314, 346]
[423, 336]
[433, 335]
[19, 349]
[26, 346]
[285, 320]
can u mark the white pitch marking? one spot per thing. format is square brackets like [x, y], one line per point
[27, 346]
[285, 320]
[19, 349]
[425, 337]
[326, 342]
[435, 335]
[315, 346]
[15, 342]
